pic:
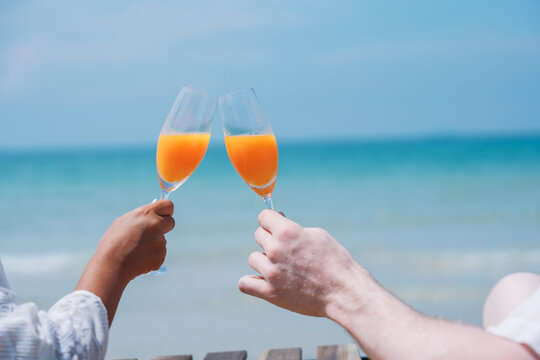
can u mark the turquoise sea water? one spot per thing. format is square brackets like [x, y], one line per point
[436, 220]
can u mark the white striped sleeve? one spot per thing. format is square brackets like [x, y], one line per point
[81, 326]
[76, 327]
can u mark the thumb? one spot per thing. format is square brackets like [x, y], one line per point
[255, 286]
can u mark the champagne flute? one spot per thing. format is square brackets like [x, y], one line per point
[250, 142]
[184, 138]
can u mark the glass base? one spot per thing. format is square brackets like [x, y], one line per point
[162, 270]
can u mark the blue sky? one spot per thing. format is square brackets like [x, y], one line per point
[92, 73]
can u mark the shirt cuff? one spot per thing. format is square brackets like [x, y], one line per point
[81, 325]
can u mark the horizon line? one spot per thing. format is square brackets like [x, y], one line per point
[288, 140]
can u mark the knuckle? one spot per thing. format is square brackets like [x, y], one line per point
[272, 253]
[262, 215]
[289, 232]
[320, 231]
[272, 274]
[154, 222]
[272, 293]
[137, 212]
[140, 211]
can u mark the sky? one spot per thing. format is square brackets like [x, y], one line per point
[91, 73]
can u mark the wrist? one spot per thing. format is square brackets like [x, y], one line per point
[109, 265]
[106, 279]
[352, 296]
[368, 311]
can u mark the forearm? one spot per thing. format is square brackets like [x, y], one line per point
[106, 280]
[385, 328]
[133, 245]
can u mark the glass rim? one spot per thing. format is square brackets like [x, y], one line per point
[199, 90]
[239, 92]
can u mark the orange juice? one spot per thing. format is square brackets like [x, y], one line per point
[255, 157]
[179, 155]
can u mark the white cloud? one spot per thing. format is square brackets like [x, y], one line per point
[400, 50]
[136, 33]
[22, 60]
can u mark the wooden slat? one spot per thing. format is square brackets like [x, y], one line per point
[227, 355]
[338, 352]
[281, 354]
[173, 357]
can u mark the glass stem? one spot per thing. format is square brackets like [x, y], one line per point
[162, 270]
[164, 194]
[268, 201]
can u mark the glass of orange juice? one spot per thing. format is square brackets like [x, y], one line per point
[250, 142]
[184, 139]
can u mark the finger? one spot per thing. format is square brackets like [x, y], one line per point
[160, 259]
[254, 286]
[262, 237]
[158, 252]
[166, 224]
[162, 207]
[259, 262]
[163, 243]
[271, 220]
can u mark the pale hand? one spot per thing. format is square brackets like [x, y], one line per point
[308, 272]
[304, 270]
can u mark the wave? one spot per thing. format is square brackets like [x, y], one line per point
[440, 293]
[432, 261]
[458, 262]
[45, 264]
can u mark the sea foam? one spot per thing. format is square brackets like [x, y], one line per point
[44, 264]
[459, 262]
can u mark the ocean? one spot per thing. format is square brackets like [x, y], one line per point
[437, 220]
